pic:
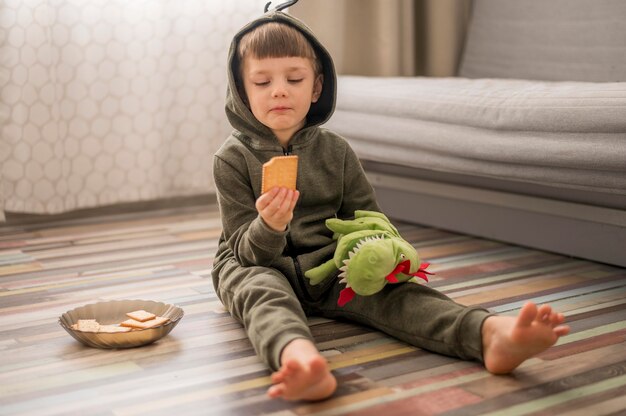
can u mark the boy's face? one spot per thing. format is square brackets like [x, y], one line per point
[280, 92]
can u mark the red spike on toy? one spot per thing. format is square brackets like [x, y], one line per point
[402, 267]
[422, 272]
[345, 296]
[391, 278]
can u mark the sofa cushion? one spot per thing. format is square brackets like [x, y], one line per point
[558, 134]
[577, 40]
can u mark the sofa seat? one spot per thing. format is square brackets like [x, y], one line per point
[535, 135]
[536, 163]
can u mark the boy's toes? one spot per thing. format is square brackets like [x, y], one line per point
[527, 314]
[544, 312]
[561, 330]
[276, 391]
[557, 319]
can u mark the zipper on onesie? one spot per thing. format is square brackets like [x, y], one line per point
[291, 252]
[299, 274]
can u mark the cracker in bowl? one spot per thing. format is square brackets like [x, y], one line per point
[131, 323]
[87, 325]
[141, 315]
[111, 329]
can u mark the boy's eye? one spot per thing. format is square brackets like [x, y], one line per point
[295, 81]
[262, 84]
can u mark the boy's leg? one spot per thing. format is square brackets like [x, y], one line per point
[426, 318]
[264, 302]
[418, 315]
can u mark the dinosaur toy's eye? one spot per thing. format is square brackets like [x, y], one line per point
[402, 256]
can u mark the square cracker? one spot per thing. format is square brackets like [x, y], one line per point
[131, 323]
[141, 315]
[280, 171]
[113, 328]
[87, 325]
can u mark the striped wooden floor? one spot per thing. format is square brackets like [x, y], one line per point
[207, 366]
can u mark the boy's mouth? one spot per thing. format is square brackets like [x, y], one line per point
[280, 109]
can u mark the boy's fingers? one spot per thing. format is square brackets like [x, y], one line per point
[294, 200]
[276, 206]
[265, 199]
[276, 202]
[288, 202]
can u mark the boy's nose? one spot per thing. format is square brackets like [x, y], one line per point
[279, 91]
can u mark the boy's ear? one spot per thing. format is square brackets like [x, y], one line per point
[317, 88]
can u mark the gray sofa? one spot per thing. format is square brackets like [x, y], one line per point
[526, 145]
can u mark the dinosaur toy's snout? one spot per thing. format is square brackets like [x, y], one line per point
[364, 276]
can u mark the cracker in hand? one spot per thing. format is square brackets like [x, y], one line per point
[280, 171]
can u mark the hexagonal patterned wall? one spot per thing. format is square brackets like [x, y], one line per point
[107, 101]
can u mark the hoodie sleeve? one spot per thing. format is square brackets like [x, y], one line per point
[251, 240]
[358, 192]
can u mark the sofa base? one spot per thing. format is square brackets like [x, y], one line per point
[573, 229]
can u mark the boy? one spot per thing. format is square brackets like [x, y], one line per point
[281, 88]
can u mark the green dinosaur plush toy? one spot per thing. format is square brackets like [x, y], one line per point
[370, 253]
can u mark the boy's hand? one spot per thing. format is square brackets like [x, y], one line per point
[276, 207]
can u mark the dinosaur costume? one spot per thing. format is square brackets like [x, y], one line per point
[370, 253]
[258, 273]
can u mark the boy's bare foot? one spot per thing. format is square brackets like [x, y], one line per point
[509, 341]
[304, 374]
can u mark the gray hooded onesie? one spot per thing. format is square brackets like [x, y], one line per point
[258, 273]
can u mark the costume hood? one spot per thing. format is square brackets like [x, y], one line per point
[240, 116]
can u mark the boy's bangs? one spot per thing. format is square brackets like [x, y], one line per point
[276, 40]
[280, 44]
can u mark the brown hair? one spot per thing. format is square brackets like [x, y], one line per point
[277, 40]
